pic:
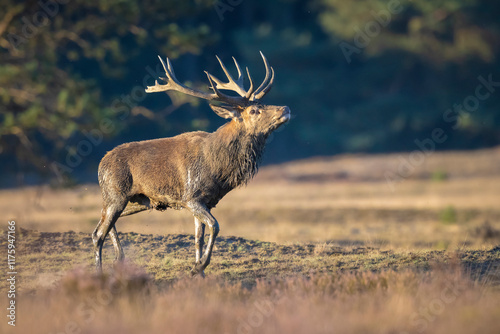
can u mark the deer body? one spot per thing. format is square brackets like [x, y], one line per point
[193, 170]
[171, 172]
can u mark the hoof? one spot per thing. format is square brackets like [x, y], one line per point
[197, 273]
[118, 260]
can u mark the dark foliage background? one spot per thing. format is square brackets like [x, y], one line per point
[359, 76]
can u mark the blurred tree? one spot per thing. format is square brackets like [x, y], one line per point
[407, 62]
[61, 63]
[440, 31]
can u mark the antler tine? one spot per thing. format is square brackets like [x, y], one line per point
[240, 75]
[266, 89]
[174, 84]
[165, 66]
[251, 89]
[232, 100]
[266, 85]
[233, 85]
[170, 69]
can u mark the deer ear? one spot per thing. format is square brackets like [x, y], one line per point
[225, 111]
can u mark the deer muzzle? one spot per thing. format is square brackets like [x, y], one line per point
[285, 115]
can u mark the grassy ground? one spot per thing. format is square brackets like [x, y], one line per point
[48, 256]
[323, 245]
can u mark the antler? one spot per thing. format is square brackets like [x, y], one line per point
[267, 84]
[245, 96]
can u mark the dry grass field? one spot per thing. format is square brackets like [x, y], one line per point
[324, 245]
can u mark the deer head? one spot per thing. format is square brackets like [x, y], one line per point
[244, 110]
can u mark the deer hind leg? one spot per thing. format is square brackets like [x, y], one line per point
[204, 216]
[109, 216]
[136, 204]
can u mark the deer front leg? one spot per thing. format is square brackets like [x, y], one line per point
[199, 238]
[203, 217]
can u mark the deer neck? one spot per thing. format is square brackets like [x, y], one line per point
[234, 154]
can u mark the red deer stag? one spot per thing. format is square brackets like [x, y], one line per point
[193, 170]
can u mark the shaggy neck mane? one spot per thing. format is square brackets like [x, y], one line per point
[234, 154]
